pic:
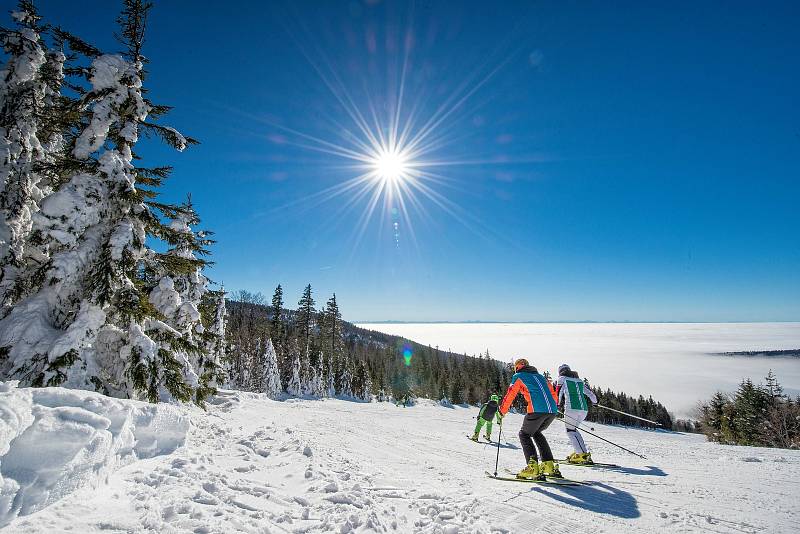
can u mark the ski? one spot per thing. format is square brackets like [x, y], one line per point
[493, 443]
[554, 479]
[595, 464]
[547, 482]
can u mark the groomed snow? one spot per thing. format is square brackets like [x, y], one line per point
[255, 465]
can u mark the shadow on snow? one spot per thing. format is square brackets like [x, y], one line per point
[599, 498]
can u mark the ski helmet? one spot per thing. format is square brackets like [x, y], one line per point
[520, 363]
[494, 398]
[563, 368]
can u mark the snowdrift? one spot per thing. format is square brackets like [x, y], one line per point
[54, 441]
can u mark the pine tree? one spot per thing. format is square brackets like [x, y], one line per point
[344, 378]
[271, 382]
[750, 404]
[305, 317]
[277, 328]
[712, 416]
[330, 376]
[294, 386]
[364, 381]
[308, 374]
[96, 325]
[320, 385]
[213, 314]
[29, 89]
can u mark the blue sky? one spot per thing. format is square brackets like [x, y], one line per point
[612, 162]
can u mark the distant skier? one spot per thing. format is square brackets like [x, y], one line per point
[572, 392]
[542, 408]
[485, 416]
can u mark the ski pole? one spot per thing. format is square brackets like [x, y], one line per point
[610, 442]
[497, 459]
[629, 415]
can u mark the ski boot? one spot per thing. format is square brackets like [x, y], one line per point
[488, 437]
[550, 469]
[474, 437]
[580, 458]
[531, 471]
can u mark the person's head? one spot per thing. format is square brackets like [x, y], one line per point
[520, 364]
[494, 398]
[563, 369]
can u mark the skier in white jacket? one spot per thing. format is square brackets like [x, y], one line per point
[572, 393]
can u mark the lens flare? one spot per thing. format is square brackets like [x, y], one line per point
[407, 355]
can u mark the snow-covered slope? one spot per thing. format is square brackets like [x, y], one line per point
[255, 465]
[54, 441]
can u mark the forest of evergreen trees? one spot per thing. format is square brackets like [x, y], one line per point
[316, 353]
[306, 351]
[758, 415]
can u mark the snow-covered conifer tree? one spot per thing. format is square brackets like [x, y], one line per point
[214, 315]
[321, 384]
[366, 381]
[295, 385]
[29, 84]
[271, 384]
[344, 379]
[330, 376]
[90, 318]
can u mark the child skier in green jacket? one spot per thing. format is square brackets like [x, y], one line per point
[488, 412]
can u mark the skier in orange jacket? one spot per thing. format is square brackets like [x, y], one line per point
[542, 408]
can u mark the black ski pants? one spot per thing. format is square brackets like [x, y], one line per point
[531, 431]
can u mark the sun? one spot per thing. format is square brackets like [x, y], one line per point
[390, 165]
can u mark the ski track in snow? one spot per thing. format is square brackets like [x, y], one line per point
[259, 466]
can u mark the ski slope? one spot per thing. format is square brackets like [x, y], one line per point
[250, 464]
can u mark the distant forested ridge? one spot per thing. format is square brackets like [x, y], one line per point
[305, 351]
[784, 353]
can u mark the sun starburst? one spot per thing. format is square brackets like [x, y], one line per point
[391, 165]
[391, 146]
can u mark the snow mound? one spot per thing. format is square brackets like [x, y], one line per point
[54, 441]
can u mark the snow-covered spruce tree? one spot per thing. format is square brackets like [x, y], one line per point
[304, 322]
[271, 384]
[344, 378]
[330, 376]
[366, 380]
[309, 376]
[321, 384]
[277, 327]
[30, 84]
[214, 317]
[181, 287]
[91, 322]
[252, 354]
[294, 386]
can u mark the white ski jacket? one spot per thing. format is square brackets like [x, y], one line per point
[573, 392]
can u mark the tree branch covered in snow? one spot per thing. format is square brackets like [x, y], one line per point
[86, 302]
